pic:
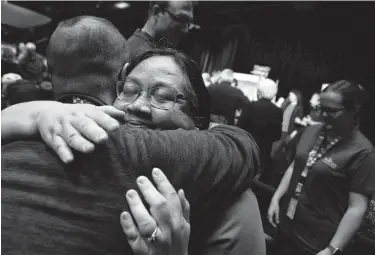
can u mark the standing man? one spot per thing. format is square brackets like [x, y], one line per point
[167, 20]
[226, 99]
[262, 119]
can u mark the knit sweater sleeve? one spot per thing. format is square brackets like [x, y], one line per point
[208, 165]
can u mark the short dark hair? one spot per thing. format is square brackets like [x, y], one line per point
[85, 55]
[197, 93]
[353, 94]
[162, 4]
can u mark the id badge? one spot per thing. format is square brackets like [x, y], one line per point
[292, 208]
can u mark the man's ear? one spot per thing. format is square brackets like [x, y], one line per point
[123, 73]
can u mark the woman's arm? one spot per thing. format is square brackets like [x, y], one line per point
[274, 208]
[351, 221]
[284, 184]
[54, 121]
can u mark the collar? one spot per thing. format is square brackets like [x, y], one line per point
[76, 98]
[143, 35]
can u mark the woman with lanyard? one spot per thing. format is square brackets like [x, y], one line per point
[325, 192]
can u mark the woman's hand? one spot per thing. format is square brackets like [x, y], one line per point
[167, 229]
[61, 126]
[273, 212]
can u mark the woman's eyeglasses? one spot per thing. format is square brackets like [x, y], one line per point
[160, 97]
[328, 110]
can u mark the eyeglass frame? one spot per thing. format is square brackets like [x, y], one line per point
[189, 24]
[329, 113]
[177, 95]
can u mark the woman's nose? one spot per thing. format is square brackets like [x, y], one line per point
[141, 106]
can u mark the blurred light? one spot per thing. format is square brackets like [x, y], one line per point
[121, 5]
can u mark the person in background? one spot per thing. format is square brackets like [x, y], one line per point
[262, 119]
[206, 79]
[9, 63]
[6, 81]
[323, 196]
[226, 99]
[313, 117]
[31, 64]
[167, 23]
[293, 108]
[215, 77]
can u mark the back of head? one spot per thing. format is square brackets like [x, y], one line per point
[85, 55]
[353, 94]
[267, 89]
[227, 76]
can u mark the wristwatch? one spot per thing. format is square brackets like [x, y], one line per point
[335, 251]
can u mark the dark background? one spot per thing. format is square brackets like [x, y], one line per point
[305, 43]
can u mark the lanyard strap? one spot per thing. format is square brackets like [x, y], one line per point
[315, 154]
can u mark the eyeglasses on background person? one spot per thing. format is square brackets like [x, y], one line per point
[160, 97]
[179, 19]
[328, 110]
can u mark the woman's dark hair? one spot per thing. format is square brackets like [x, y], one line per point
[353, 95]
[195, 89]
[298, 95]
[300, 108]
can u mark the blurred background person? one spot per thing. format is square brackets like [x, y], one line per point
[225, 99]
[9, 63]
[206, 79]
[167, 22]
[31, 64]
[293, 108]
[313, 117]
[262, 119]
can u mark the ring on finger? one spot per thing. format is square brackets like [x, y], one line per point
[152, 238]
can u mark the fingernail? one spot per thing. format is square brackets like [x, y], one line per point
[141, 180]
[114, 126]
[131, 194]
[156, 172]
[101, 137]
[88, 147]
[67, 158]
[125, 216]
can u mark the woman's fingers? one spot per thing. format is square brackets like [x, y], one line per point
[273, 215]
[158, 204]
[146, 224]
[89, 129]
[105, 117]
[75, 140]
[277, 215]
[62, 149]
[129, 227]
[165, 187]
[185, 205]
[113, 112]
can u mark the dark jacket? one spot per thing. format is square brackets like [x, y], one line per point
[262, 119]
[23, 90]
[138, 43]
[225, 100]
[52, 208]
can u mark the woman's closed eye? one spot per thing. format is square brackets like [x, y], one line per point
[163, 94]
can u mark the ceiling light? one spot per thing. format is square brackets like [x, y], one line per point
[121, 5]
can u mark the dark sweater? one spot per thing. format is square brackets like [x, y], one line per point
[52, 208]
[225, 100]
[138, 43]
